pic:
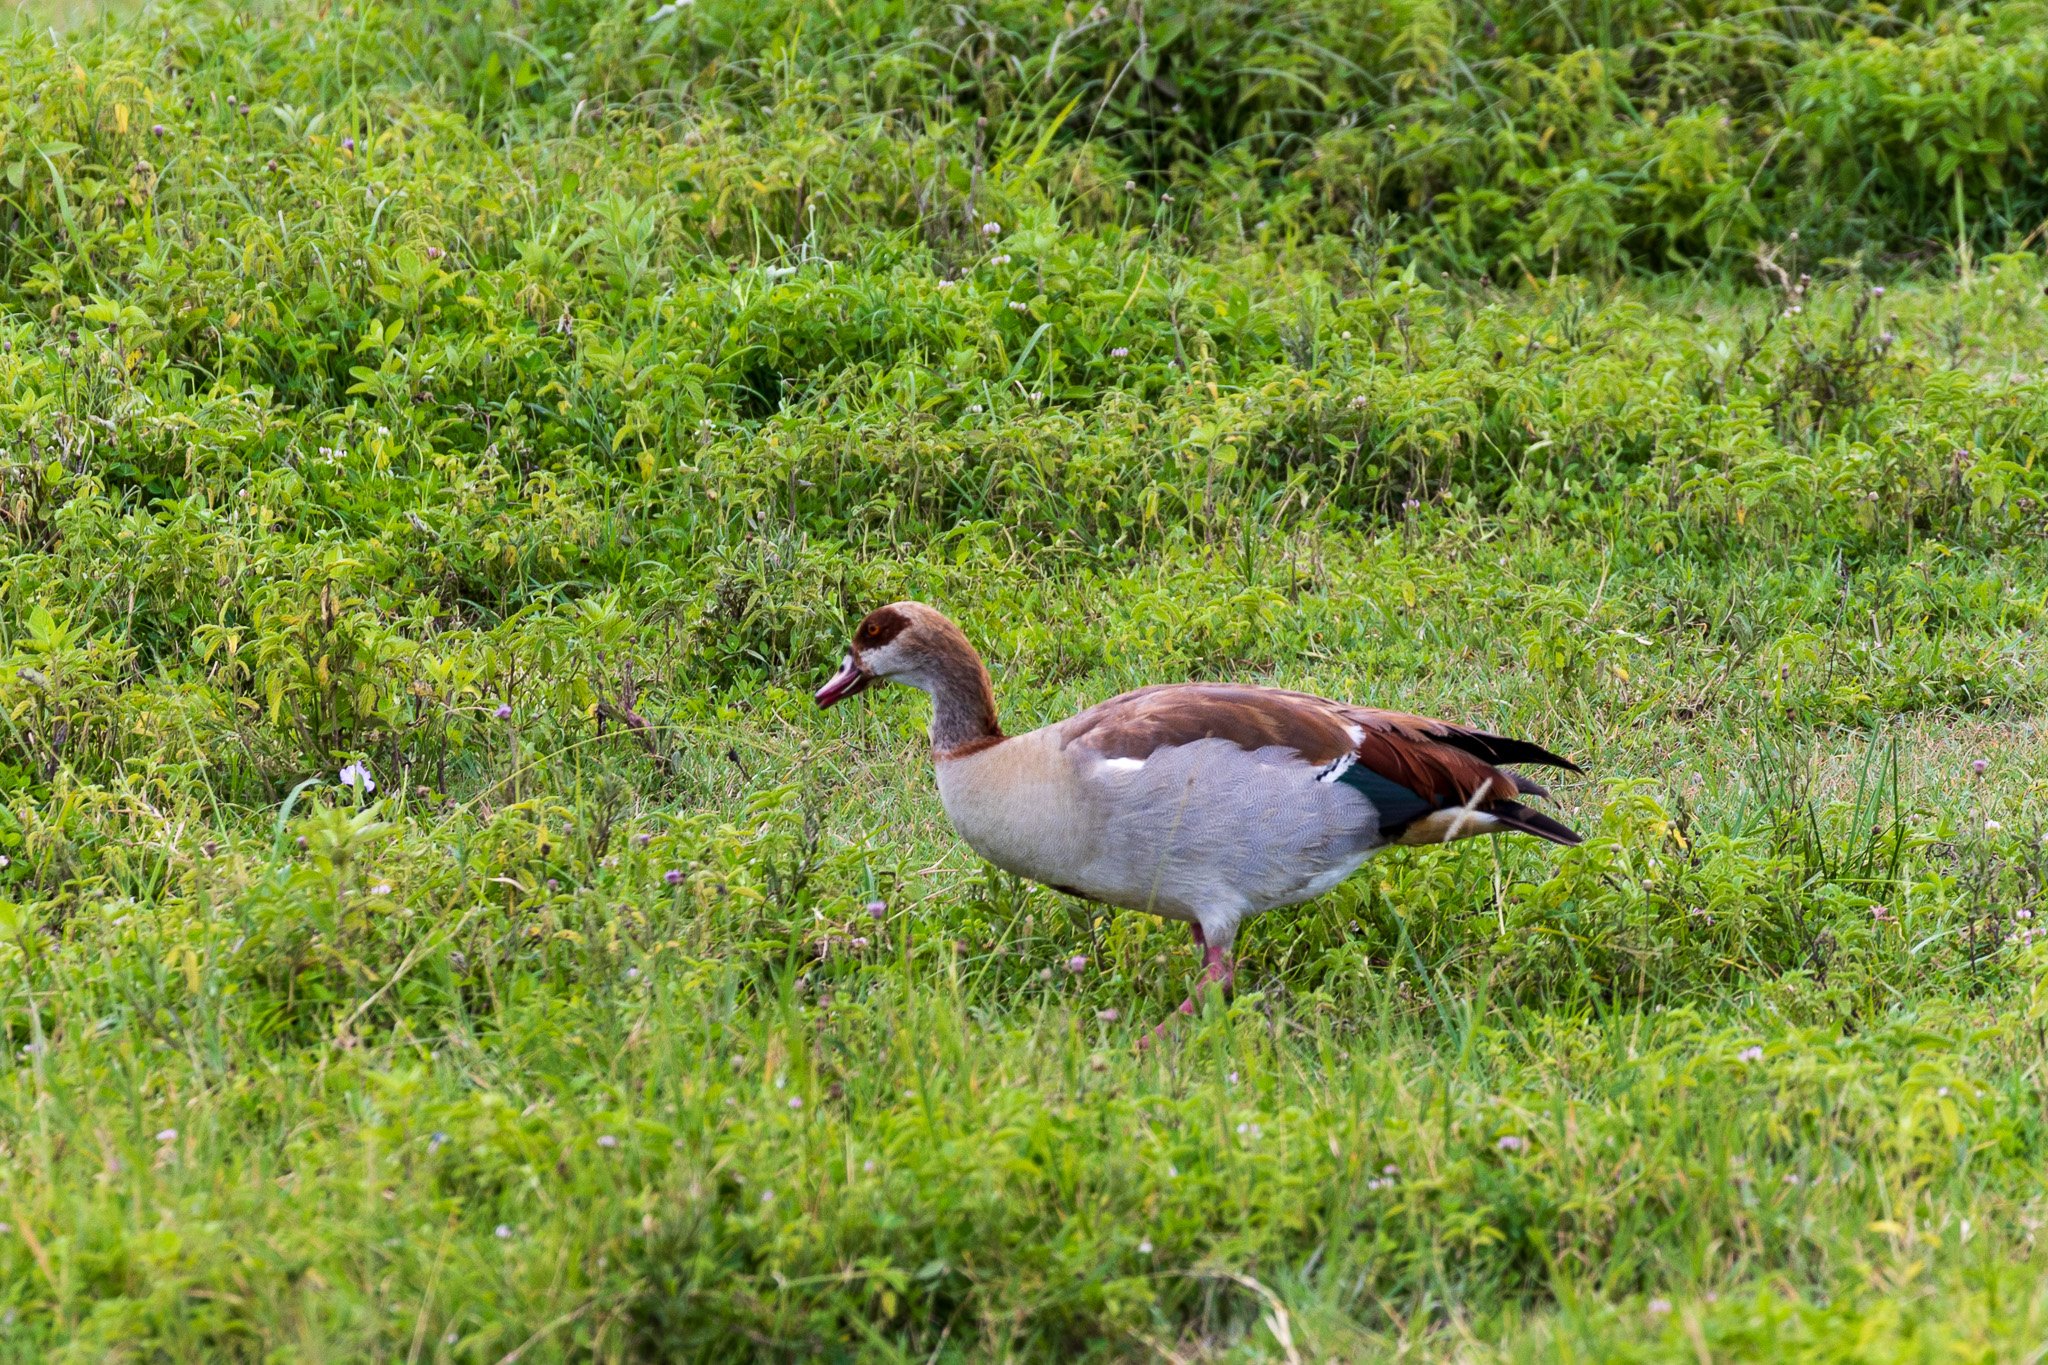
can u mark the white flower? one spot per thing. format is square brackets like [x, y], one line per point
[607, 1140]
[357, 775]
[1992, 827]
[1145, 1247]
[504, 1231]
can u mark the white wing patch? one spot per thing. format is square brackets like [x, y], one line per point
[1337, 767]
[1123, 765]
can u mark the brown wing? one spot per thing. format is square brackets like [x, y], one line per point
[1415, 753]
[1136, 723]
[1493, 748]
[1409, 766]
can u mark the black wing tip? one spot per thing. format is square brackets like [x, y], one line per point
[1522, 751]
[1501, 749]
[1518, 817]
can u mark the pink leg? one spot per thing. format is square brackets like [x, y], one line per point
[1217, 970]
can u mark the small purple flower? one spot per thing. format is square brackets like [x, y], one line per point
[348, 144]
[642, 840]
[1750, 1054]
[504, 1232]
[796, 1101]
[1879, 913]
[1109, 1016]
[1877, 291]
[434, 253]
[607, 1140]
[1077, 964]
[991, 229]
[1120, 351]
[877, 909]
[674, 876]
[158, 129]
[504, 711]
[1659, 1307]
[1980, 766]
[1511, 1143]
[167, 1135]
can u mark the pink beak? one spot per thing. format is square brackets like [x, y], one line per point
[850, 679]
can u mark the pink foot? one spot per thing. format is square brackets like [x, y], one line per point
[1217, 970]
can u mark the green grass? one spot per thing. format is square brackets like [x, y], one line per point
[548, 358]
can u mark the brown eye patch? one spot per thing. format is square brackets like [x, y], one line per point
[883, 625]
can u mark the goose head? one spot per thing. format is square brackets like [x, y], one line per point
[906, 642]
[910, 643]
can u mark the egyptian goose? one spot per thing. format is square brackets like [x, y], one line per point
[1202, 802]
